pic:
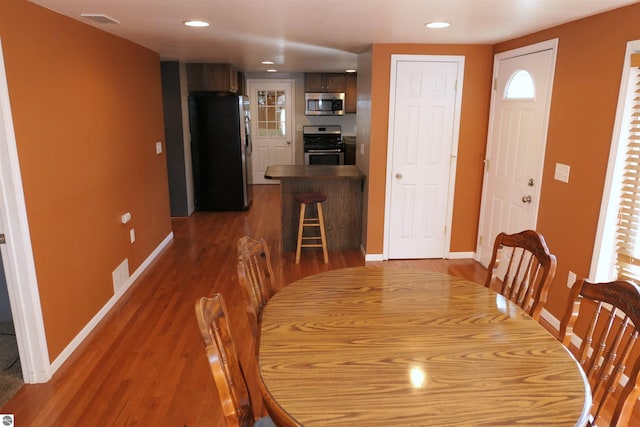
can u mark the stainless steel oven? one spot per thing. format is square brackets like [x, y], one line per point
[323, 145]
[324, 157]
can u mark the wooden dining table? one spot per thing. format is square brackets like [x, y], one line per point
[381, 346]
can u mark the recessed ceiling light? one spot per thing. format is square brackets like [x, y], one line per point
[196, 23]
[271, 70]
[268, 62]
[438, 24]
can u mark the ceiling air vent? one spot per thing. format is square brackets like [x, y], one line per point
[99, 18]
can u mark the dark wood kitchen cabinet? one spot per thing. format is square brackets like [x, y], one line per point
[242, 84]
[351, 93]
[342, 211]
[325, 82]
[212, 77]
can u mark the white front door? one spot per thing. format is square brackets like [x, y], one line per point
[424, 116]
[520, 103]
[271, 118]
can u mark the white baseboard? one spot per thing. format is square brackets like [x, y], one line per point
[461, 255]
[373, 257]
[82, 335]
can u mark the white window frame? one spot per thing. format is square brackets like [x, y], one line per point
[604, 251]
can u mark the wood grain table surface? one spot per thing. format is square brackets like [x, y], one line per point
[379, 346]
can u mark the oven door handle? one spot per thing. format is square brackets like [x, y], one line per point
[324, 151]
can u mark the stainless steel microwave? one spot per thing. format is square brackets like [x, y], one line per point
[324, 104]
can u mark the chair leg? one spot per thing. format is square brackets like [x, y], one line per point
[300, 228]
[322, 235]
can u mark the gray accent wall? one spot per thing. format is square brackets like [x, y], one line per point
[5, 307]
[176, 145]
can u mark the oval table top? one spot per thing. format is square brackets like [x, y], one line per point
[380, 346]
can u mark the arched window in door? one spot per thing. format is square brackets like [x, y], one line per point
[520, 86]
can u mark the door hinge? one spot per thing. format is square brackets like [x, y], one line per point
[3, 239]
[495, 83]
[486, 165]
[480, 241]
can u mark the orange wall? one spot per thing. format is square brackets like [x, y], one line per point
[474, 118]
[87, 111]
[584, 100]
[583, 107]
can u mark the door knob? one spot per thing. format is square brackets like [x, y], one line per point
[526, 199]
[398, 175]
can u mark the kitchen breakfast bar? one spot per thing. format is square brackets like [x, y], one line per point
[343, 186]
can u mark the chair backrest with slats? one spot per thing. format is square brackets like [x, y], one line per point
[213, 321]
[522, 268]
[255, 275]
[608, 348]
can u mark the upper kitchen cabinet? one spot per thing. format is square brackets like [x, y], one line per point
[242, 84]
[325, 82]
[212, 77]
[351, 93]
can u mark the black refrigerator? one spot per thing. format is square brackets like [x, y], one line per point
[220, 151]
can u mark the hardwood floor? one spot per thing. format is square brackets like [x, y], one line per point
[145, 363]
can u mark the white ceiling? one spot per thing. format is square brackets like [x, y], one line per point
[317, 35]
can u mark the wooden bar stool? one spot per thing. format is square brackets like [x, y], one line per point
[319, 241]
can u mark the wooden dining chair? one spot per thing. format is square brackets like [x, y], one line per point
[522, 268]
[255, 275]
[606, 346]
[213, 321]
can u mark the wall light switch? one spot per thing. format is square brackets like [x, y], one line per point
[132, 235]
[125, 218]
[362, 148]
[158, 147]
[562, 172]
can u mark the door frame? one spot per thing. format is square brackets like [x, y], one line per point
[552, 45]
[460, 60]
[17, 253]
[254, 131]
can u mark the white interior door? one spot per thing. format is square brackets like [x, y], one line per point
[272, 134]
[423, 132]
[521, 98]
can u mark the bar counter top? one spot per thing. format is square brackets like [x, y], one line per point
[343, 186]
[313, 172]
